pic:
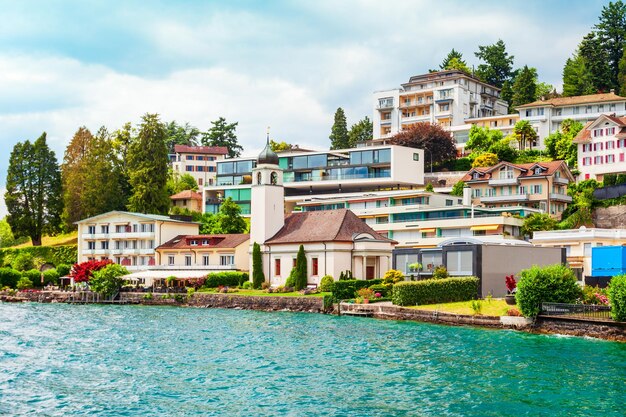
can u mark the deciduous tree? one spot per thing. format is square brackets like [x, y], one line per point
[73, 174]
[485, 160]
[223, 134]
[339, 132]
[432, 138]
[361, 131]
[280, 146]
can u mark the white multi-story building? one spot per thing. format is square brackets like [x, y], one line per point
[601, 147]
[128, 239]
[198, 161]
[546, 116]
[447, 98]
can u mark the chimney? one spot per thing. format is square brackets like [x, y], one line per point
[467, 196]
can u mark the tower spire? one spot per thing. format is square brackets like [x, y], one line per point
[268, 135]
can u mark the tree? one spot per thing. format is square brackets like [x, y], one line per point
[301, 270]
[147, 166]
[280, 146]
[486, 160]
[525, 87]
[229, 219]
[339, 132]
[6, 235]
[73, 172]
[361, 131]
[223, 134]
[177, 183]
[34, 196]
[544, 90]
[457, 189]
[121, 141]
[482, 138]
[208, 223]
[536, 222]
[437, 142]
[457, 64]
[452, 55]
[258, 277]
[596, 60]
[108, 280]
[180, 135]
[82, 272]
[621, 75]
[504, 150]
[611, 30]
[430, 188]
[506, 94]
[525, 134]
[498, 65]
[559, 145]
[577, 78]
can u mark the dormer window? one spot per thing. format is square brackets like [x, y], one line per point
[205, 242]
[193, 243]
[476, 176]
[538, 171]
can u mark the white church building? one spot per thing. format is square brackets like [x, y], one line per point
[334, 241]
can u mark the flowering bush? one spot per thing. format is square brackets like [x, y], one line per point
[510, 283]
[83, 271]
[377, 295]
[513, 312]
[365, 293]
[595, 295]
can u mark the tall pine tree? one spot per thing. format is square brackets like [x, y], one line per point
[147, 167]
[339, 132]
[577, 78]
[525, 87]
[73, 173]
[34, 197]
[498, 64]
[596, 61]
[452, 55]
[223, 134]
[612, 35]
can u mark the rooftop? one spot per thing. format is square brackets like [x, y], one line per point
[569, 101]
[209, 150]
[154, 217]
[527, 169]
[223, 241]
[187, 195]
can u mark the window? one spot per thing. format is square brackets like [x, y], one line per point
[598, 160]
[529, 113]
[588, 109]
[576, 110]
[205, 260]
[416, 157]
[199, 158]
[598, 132]
[535, 189]
[540, 112]
[104, 244]
[193, 242]
[200, 168]
[600, 108]
[91, 245]
[621, 157]
[189, 157]
[277, 267]
[104, 229]
[610, 131]
[226, 260]
[91, 230]
[187, 260]
[611, 107]
[189, 168]
[449, 202]
[506, 173]
[610, 159]
[610, 144]
[587, 249]
[314, 266]
[170, 260]
[459, 263]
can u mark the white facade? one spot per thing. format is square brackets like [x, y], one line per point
[601, 148]
[546, 116]
[198, 161]
[128, 238]
[447, 98]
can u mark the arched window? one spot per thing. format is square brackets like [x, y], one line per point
[258, 178]
[274, 178]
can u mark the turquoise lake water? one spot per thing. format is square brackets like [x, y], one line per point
[62, 360]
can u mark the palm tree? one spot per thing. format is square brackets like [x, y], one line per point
[525, 132]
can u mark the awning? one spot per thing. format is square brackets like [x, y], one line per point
[428, 230]
[486, 227]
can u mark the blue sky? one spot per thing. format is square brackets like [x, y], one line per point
[284, 64]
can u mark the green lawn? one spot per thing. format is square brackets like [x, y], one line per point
[261, 293]
[59, 240]
[495, 307]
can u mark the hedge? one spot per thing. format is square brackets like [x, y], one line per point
[55, 255]
[9, 277]
[617, 297]
[550, 284]
[226, 278]
[432, 291]
[344, 290]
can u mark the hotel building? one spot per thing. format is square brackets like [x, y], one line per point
[197, 161]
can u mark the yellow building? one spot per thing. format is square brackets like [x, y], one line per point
[539, 185]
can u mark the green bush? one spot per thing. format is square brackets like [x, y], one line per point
[108, 280]
[617, 297]
[23, 261]
[24, 283]
[51, 277]
[432, 291]
[9, 277]
[34, 275]
[440, 272]
[383, 289]
[326, 284]
[226, 278]
[552, 284]
[55, 255]
[291, 279]
[344, 290]
[609, 179]
[63, 269]
[247, 285]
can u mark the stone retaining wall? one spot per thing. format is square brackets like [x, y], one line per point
[608, 330]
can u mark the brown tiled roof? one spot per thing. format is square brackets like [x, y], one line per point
[209, 150]
[584, 136]
[551, 168]
[187, 195]
[215, 241]
[569, 101]
[323, 226]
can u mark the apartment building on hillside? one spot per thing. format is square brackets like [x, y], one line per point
[540, 185]
[601, 147]
[198, 161]
[447, 98]
[546, 116]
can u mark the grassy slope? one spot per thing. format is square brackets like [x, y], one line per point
[495, 307]
[59, 240]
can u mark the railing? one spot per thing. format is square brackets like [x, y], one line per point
[577, 311]
[341, 177]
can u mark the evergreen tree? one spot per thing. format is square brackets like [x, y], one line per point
[621, 76]
[506, 94]
[596, 61]
[180, 135]
[452, 55]
[223, 134]
[362, 131]
[301, 269]
[122, 139]
[612, 34]
[498, 65]
[577, 78]
[73, 174]
[525, 87]
[258, 277]
[147, 166]
[456, 64]
[339, 133]
[34, 196]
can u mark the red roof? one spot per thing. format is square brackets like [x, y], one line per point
[210, 150]
[187, 195]
[584, 136]
[527, 170]
[212, 241]
[569, 101]
[324, 226]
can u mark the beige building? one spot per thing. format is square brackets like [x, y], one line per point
[578, 244]
[539, 185]
[334, 240]
[188, 199]
[208, 252]
[198, 161]
[127, 238]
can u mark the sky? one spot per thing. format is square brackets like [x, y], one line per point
[284, 64]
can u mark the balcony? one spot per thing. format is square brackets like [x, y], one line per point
[561, 180]
[494, 182]
[385, 106]
[95, 252]
[560, 197]
[133, 235]
[418, 118]
[504, 198]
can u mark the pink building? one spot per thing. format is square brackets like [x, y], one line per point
[602, 147]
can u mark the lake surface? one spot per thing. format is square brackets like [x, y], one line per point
[69, 360]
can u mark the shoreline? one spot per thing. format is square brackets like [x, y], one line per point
[599, 329]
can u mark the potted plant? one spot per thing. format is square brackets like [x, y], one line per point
[511, 288]
[366, 294]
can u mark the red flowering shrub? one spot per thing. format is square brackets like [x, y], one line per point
[195, 283]
[510, 282]
[83, 271]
